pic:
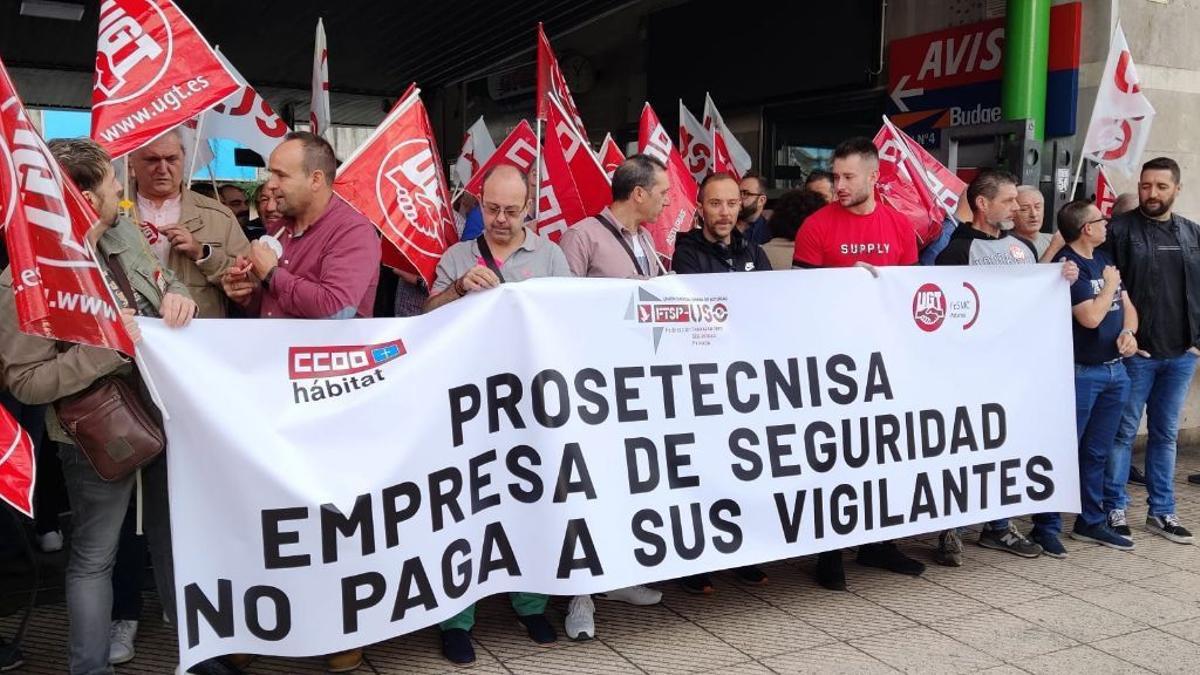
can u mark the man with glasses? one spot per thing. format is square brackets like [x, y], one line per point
[750, 221]
[507, 250]
[1155, 251]
[1103, 331]
[1027, 221]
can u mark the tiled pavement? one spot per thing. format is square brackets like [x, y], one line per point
[1098, 611]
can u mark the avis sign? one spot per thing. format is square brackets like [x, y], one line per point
[952, 77]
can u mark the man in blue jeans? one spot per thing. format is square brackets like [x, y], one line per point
[1155, 251]
[1103, 331]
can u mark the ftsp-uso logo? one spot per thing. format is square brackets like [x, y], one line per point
[408, 176]
[135, 46]
[333, 371]
[702, 318]
[931, 307]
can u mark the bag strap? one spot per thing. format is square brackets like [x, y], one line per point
[117, 270]
[624, 244]
[486, 252]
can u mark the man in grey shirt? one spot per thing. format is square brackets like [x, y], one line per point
[507, 250]
[1027, 221]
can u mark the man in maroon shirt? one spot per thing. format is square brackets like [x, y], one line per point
[329, 265]
[855, 230]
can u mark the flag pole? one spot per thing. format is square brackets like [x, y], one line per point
[1078, 170]
[537, 179]
[195, 151]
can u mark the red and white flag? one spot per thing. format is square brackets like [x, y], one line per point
[18, 469]
[245, 118]
[677, 216]
[713, 120]
[915, 183]
[610, 155]
[477, 148]
[153, 71]
[518, 149]
[722, 163]
[59, 290]
[1121, 119]
[695, 144]
[319, 117]
[551, 83]
[1106, 197]
[395, 179]
[577, 179]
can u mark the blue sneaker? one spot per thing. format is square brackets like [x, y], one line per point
[1050, 544]
[1100, 534]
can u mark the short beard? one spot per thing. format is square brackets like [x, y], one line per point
[747, 214]
[1165, 208]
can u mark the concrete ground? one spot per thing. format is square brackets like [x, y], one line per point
[1098, 611]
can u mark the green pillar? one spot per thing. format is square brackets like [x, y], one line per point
[1026, 56]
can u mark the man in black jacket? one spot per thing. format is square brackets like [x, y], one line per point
[718, 246]
[1158, 255]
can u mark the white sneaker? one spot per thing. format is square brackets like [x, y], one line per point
[51, 542]
[634, 595]
[120, 641]
[581, 618]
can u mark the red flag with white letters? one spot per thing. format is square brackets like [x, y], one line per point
[59, 290]
[915, 183]
[610, 155]
[396, 180]
[722, 163]
[1106, 197]
[584, 172]
[677, 216]
[18, 470]
[551, 83]
[153, 71]
[695, 144]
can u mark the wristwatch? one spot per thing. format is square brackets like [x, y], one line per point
[266, 282]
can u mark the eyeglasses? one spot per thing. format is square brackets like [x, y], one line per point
[511, 213]
[1098, 220]
[747, 193]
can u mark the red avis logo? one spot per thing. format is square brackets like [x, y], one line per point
[306, 363]
[932, 307]
[127, 50]
[929, 307]
[408, 177]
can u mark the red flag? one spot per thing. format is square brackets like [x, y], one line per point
[610, 155]
[584, 173]
[59, 290]
[654, 141]
[18, 470]
[721, 160]
[914, 183]
[695, 144]
[551, 83]
[153, 71]
[519, 149]
[1106, 197]
[396, 180]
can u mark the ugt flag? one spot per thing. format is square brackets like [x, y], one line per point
[695, 144]
[610, 155]
[18, 470]
[1121, 119]
[153, 71]
[678, 215]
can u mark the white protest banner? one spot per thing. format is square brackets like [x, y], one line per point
[338, 483]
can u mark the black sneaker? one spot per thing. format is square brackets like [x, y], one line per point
[539, 628]
[1103, 535]
[751, 574]
[1051, 546]
[1009, 540]
[885, 555]
[1136, 477]
[1168, 526]
[457, 647]
[698, 584]
[949, 551]
[1194, 478]
[10, 656]
[1117, 522]
[830, 573]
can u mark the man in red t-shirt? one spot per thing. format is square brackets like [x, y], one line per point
[856, 230]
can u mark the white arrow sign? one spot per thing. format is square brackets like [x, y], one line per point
[900, 93]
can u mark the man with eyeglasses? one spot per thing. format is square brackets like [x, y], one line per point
[750, 221]
[1027, 221]
[1103, 331]
[507, 250]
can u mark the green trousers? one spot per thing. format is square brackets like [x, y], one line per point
[524, 604]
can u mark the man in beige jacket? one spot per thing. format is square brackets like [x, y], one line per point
[195, 237]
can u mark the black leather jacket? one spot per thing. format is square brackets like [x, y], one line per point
[1129, 245]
